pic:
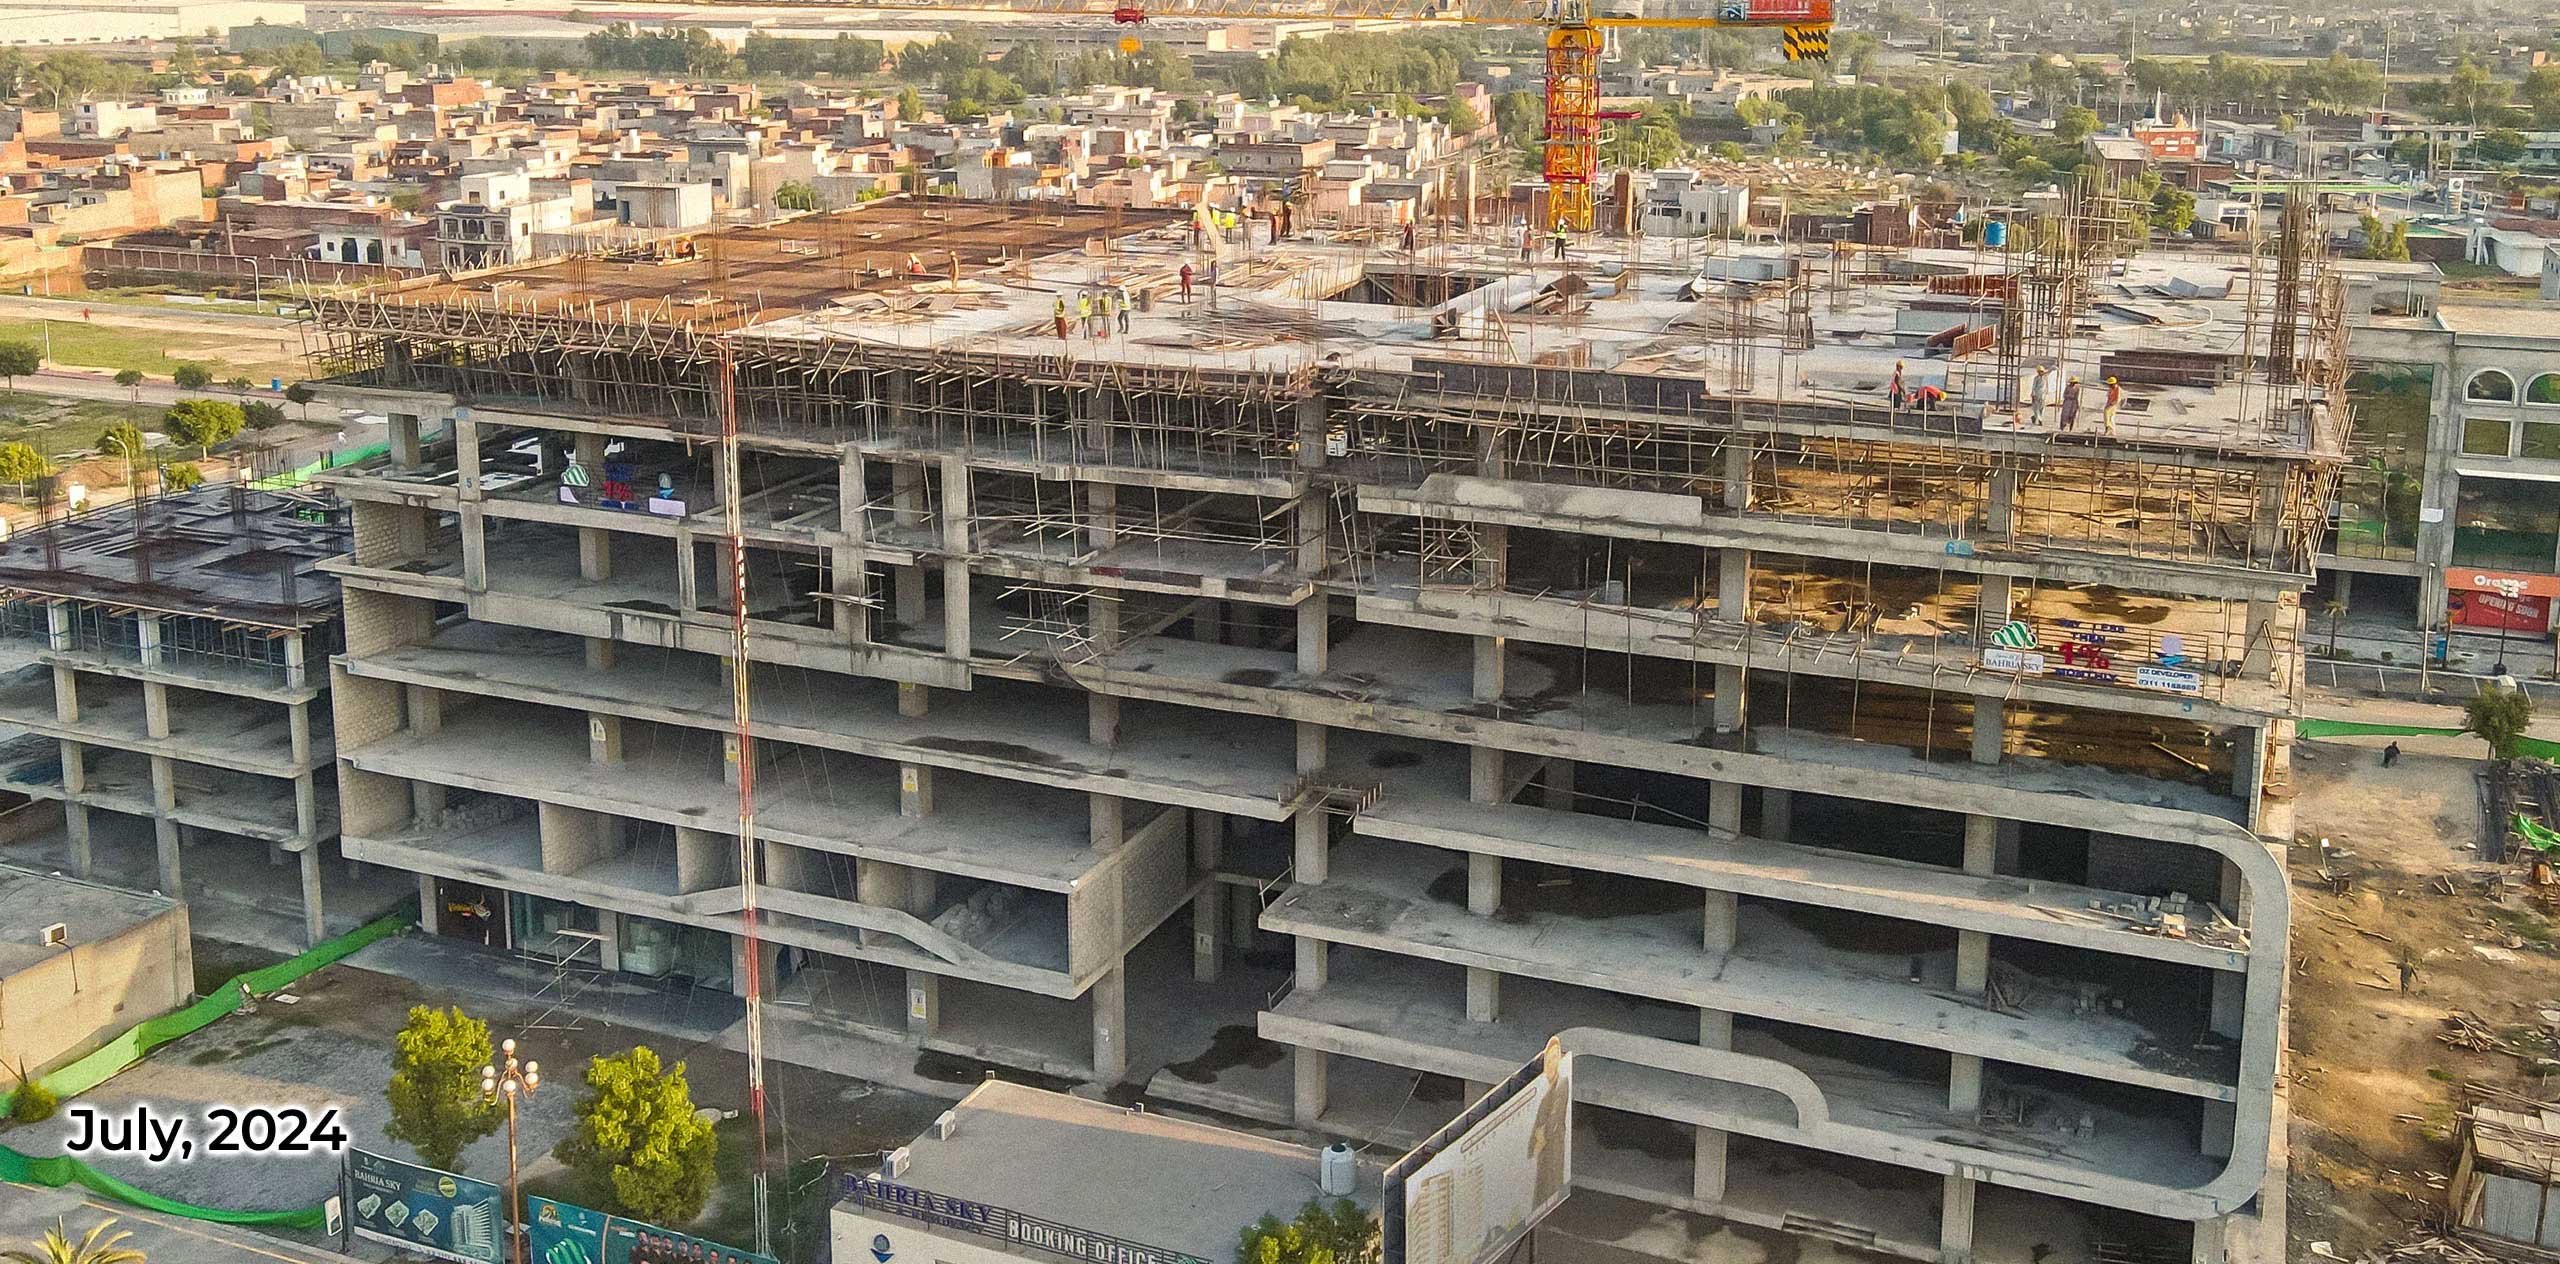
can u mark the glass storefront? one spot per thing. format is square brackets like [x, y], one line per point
[2507, 524]
[2378, 491]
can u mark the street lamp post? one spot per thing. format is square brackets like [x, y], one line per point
[511, 1083]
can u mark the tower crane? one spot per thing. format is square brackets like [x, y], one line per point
[1575, 38]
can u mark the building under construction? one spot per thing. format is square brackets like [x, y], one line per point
[1303, 694]
[163, 677]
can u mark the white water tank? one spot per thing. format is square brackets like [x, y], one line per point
[1337, 1172]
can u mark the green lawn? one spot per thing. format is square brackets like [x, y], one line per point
[257, 354]
[56, 426]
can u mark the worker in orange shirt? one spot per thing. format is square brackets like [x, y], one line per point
[2115, 400]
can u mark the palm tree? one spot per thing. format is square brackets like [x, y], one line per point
[2336, 610]
[95, 1247]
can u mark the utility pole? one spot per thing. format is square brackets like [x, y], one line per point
[511, 1083]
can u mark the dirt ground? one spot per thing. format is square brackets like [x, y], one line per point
[2374, 1084]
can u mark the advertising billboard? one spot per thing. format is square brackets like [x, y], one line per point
[564, 1233]
[424, 1210]
[1476, 1187]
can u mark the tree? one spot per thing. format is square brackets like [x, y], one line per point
[97, 1246]
[2174, 209]
[2500, 145]
[436, 1104]
[795, 195]
[637, 1135]
[1521, 117]
[299, 61]
[203, 422]
[19, 359]
[2384, 241]
[2075, 124]
[20, 463]
[124, 439]
[910, 106]
[192, 376]
[301, 395]
[130, 379]
[239, 384]
[180, 475]
[2498, 716]
[1463, 119]
[261, 415]
[1339, 1234]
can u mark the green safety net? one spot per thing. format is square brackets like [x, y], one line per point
[103, 1063]
[2537, 747]
[302, 474]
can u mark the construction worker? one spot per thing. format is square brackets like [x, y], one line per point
[1102, 314]
[1408, 239]
[1894, 390]
[1059, 315]
[915, 264]
[1186, 283]
[1561, 240]
[1120, 305]
[1528, 245]
[1084, 314]
[2070, 404]
[2040, 392]
[2115, 400]
[1930, 396]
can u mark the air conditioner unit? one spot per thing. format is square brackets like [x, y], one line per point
[895, 1167]
[57, 935]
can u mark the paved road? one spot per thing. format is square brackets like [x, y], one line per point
[80, 384]
[26, 1211]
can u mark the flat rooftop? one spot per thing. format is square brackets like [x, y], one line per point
[31, 901]
[2188, 333]
[1141, 1177]
[242, 556]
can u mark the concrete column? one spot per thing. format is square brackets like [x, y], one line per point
[1707, 1176]
[1102, 719]
[57, 627]
[1484, 995]
[155, 708]
[955, 567]
[1312, 857]
[66, 693]
[306, 807]
[1737, 473]
[689, 578]
[426, 802]
[914, 700]
[164, 800]
[1244, 911]
[297, 723]
[426, 710]
[1777, 813]
[604, 738]
[1990, 734]
[407, 450]
[474, 530]
[75, 769]
[2000, 501]
[924, 1004]
[595, 554]
[1307, 1104]
[315, 919]
[148, 627]
[430, 909]
[1724, 806]
[882, 884]
[75, 825]
[767, 959]
[1995, 602]
[1208, 843]
[297, 670]
[915, 790]
[600, 653]
[1982, 839]
[906, 594]
[1721, 923]
[1207, 620]
[1314, 965]
[609, 939]
[2258, 656]
[1110, 1025]
[1107, 820]
[1955, 1221]
[1315, 635]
